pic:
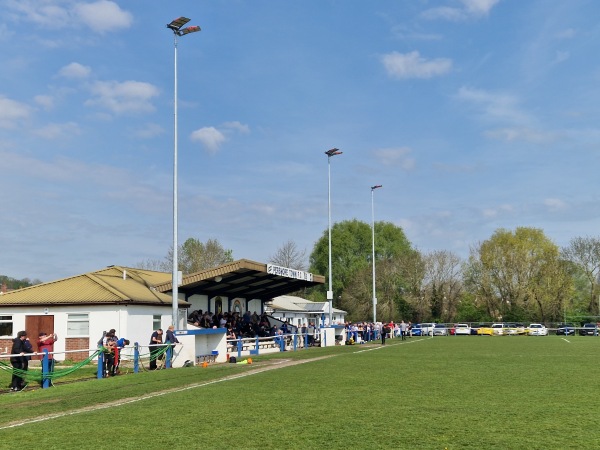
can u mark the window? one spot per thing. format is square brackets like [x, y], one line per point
[6, 326]
[78, 325]
[156, 322]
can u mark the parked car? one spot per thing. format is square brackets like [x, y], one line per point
[589, 329]
[499, 329]
[474, 329]
[514, 329]
[462, 329]
[565, 329]
[440, 330]
[427, 329]
[485, 330]
[415, 330]
[537, 329]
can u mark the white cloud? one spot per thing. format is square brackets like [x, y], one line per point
[99, 16]
[12, 112]
[555, 204]
[45, 101]
[128, 96]
[494, 212]
[495, 106]
[149, 131]
[210, 137]
[567, 33]
[237, 126]
[103, 16]
[395, 157]
[522, 134]
[412, 65]
[75, 70]
[561, 56]
[469, 9]
[60, 131]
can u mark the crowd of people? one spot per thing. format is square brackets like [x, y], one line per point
[157, 346]
[111, 346]
[22, 351]
[248, 325]
[368, 331]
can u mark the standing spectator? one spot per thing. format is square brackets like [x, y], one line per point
[110, 356]
[171, 339]
[155, 348]
[28, 349]
[18, 361]
[120, 345]
[403, 328]
[384, 331]
[46, 342]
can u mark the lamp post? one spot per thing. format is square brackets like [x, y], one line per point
[176, 26]
[330, 153]
[373, 256]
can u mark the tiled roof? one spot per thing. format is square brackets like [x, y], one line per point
[111, 285]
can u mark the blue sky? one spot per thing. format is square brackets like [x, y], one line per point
[472, 114]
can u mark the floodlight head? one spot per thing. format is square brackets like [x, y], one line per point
[176, 24]
[188, 30]
[377, 186]
[333, 152]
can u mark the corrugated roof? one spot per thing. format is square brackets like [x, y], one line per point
[106, 286]
[291, 303]
[242, 278]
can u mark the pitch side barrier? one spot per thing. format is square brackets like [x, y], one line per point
[131, 356]
[269, 344]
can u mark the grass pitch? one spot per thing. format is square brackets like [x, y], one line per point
[454, 392]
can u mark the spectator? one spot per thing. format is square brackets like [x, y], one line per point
[120, 344]
[110, 351]
[46, 342]
[171, 339]
[18, 361]
[155, 347]
[403, 328]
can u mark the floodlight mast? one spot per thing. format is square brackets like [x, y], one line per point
[330, 153]
[175, 26]
[373, 257]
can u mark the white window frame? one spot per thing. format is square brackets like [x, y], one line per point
[156, 322]
[8, 319]
[83, 321]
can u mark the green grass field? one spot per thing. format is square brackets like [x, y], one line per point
[447, 392]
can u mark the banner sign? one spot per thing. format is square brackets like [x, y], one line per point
[289, 273]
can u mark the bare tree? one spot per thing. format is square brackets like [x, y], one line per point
[288, 255]
[585, 254]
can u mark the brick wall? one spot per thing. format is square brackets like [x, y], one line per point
[5, 345]
[77, 344]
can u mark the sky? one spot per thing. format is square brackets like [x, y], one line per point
[473, 115]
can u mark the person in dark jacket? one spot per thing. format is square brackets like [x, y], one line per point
[18, 360]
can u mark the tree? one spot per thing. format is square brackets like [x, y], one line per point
[519, 275]
[351, 264]
[193, 256]
[585, 254]
[443, 283]
[289, 256]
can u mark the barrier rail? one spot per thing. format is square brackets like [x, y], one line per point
[48, 372]
[253, 345]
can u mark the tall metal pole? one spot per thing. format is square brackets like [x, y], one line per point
[373, 255]
[330, 285]
[176, 26]
[330, 153]
[175, 274]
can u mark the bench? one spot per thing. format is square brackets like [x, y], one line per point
[205, 358]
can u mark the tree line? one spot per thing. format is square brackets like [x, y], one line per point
[515, 275]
